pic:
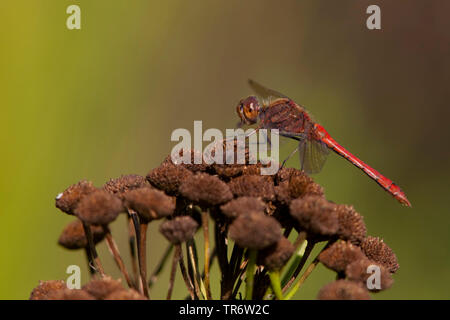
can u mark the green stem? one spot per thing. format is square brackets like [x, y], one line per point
[276, 285]
[302, 279]
[250, 274]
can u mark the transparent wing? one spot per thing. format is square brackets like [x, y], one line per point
[313, 155]
[266, 95]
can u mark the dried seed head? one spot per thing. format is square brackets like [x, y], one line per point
[361, 270]
[70, 294]
[339, 255]
[227, 171]
[284, 174]
[282, 194]
[205, 189]
[343, 290]
[378, 251]
[73, 236]
[232, 152]
[276, 256]
[68, 200]
[44, 288]
[253, 186]
[298, 185]
[130, 294]
[255, 230]
[125, 183]
[101, 288]
[315, 215]
[179, 230]
[314, 189]
[100, 207]
[351, 224]
[149, 203]
[168, 177]
[191, 156]
[242, 205]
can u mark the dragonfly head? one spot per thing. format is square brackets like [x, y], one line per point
[248, 110]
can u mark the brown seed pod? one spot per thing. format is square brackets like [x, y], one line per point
[351, 224]
[130, 294]
[253, 186]
[100, 208]
[242, 205]
[360, 271]
[168, 177]
[255, 230]
[125, 183]
[73, 236]
[277, 255]
[150, 204]
[205, 190]
[375, 249]
[70, 294]
[44, 288]
[315, 215]
[101, 288]
[339, 255]
[343, 290]
[68, 200]
[179, 229]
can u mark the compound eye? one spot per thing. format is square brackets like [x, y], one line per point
[251, 112]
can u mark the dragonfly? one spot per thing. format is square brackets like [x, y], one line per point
[270, 109]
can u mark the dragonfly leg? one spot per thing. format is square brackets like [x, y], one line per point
[289, 156]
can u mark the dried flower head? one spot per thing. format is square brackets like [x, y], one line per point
[193, 161]
[101, 288]
[351, 224]
[242, 205]
[125, 183]
[339, 255]
[227, 171]
[73, 236]
[253, 186]
[68, 200]
[361, 270]
[149, 203]
[299, 184]
[44, 288]
[276, 256]
[130, 294]
[179, 229]
[205, 189]
[282, 194]
[168, 177]
[70, 294]
[343, 290]
[284, 174]
[378, 251]
[315, 215]
[255, 230]
[100, 207]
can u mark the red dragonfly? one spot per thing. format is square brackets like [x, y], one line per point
[272, 110]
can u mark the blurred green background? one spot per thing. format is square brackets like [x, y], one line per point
[102, 101]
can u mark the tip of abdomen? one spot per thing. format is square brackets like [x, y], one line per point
[402, 198]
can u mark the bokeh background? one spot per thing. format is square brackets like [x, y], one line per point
[102, 101]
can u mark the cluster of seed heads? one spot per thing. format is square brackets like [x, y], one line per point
[253, 215]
